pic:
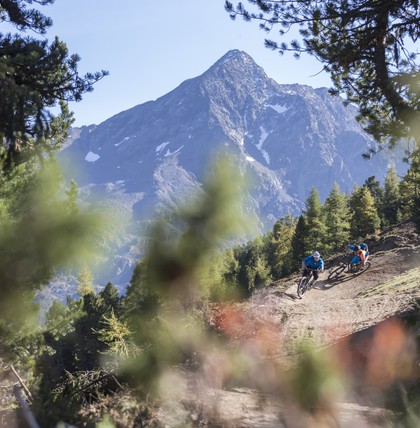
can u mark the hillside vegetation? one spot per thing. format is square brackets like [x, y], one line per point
[353, 340]
[346, 352]
[199, 320]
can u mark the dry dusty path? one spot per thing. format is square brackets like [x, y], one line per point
[334, 309]
[330, 312]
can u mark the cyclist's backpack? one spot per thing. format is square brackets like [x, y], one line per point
[364, 247]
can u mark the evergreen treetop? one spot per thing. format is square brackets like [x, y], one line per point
[35, 75]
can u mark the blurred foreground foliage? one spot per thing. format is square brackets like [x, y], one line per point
[178, 330]
[40, 232]
[178, 335]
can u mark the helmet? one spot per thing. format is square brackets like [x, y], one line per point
[316, 255]
[356, 247]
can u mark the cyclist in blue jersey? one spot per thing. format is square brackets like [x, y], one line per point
[315, 263]
[361, 253]
[356, 247]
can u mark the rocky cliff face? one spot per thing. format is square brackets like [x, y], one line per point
[288, 138]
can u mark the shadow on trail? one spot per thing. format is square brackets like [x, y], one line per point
[289, 296]
[330, 283]
[321, 285]
[325, 284]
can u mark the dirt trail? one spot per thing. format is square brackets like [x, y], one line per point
[328, 313]
[334, 309]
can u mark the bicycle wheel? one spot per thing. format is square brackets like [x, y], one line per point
[360, 271]
[348, 268]
[335, 273]
[302, 286]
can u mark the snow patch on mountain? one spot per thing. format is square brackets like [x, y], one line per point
[91, 157]
[122, 141]
[264, 135]
[278, 108]
[160, 147]
[169, 153]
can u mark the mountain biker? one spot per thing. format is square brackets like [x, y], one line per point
[365, 248]
[357, 247]
[315, 263]
[360, 256]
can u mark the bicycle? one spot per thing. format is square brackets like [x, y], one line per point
[343, 267]
[358, 268]
[348, 267]
[306, 281]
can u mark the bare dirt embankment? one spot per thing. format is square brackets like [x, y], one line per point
[334, 309]
[347, 310]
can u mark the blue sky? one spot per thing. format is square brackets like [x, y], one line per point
[150, 47]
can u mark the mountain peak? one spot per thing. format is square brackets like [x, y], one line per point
[237, 66]
[235, 55]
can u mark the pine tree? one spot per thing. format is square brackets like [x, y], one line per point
[222, 276]
[415, 166]
[337, 220]
[110, 299]
[253, 266]
[279, 255]
[72, 195]
[85, 281]
[230, 268]
[258, 273]
[315, 234]
[243, 256]
[140, 298]
[117, 336]
[391, 201]
[74, 332]
[407, 191]
[364, 216]
[377, 192]
[59, 320]
[416, 212]
[35, 75]
[299, 242]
